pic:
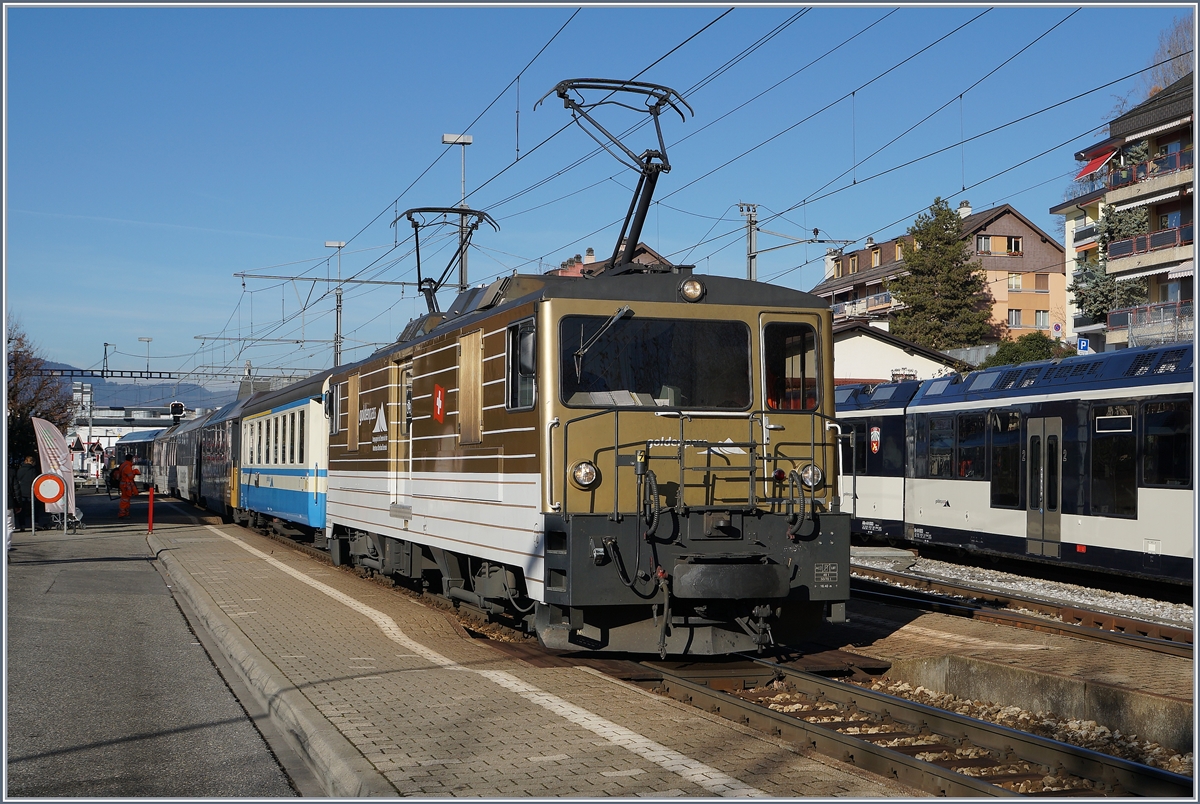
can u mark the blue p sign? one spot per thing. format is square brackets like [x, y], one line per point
[1083, 347]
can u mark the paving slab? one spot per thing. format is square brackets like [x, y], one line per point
[386, 696]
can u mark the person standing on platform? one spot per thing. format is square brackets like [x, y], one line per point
[23, 493]
[127, 472]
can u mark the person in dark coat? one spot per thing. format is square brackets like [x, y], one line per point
[23, 493]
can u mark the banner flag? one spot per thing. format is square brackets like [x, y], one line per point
[56, 458]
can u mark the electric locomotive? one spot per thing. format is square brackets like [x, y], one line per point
[638, 459]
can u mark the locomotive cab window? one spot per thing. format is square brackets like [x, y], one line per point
[790, 358]
[522, 365]
[627, 361]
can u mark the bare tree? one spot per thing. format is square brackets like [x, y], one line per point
[1175, 45]
[30, 393]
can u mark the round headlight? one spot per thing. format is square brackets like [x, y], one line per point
[811, 475]
[584, 474]
[691, 289]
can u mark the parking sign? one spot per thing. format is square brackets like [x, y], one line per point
[1083, 346]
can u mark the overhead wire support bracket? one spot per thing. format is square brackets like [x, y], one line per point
[657, 98]
[416, 216]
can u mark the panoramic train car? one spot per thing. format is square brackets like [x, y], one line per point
[220, 441]
[872, 418]
[638, 462]
[140, 446]
[283, 463]
[177, 459]
[1084, 461]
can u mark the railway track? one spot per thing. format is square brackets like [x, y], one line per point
[902, 589]
[937, 751]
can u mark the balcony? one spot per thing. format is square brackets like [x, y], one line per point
[1141, 244]
[1084, 233]
[1131, 174]
[1152, 324]
[875, 304]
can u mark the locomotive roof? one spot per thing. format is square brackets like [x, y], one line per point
[653, 286]
[1126, 368]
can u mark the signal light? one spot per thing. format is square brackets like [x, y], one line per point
[779, 475]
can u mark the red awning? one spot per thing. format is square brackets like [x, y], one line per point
[1094, 165]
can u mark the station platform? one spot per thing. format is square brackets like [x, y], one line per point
[383, 695]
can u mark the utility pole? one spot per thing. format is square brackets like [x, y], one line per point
[337, 294]
[751, 213]
[464, 140]
[752, 230]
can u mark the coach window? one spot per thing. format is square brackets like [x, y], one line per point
[522, 365]
[1005, 432]
[1114, 461]
[300, 436]
[1167, 444]
[972, 446]
[292, 437]
[275, 442]
[941, 446]
[333, 408]
[258, 438]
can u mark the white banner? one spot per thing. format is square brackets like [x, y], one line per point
[56, 459]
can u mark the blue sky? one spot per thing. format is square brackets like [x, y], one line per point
[152, 153]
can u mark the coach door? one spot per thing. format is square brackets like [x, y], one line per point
[1043, 450]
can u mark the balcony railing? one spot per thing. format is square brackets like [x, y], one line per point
[1140, 244]
[1131, 174]
[875, 303]
[1122, 176]
[1150, 324]
[1085, 232]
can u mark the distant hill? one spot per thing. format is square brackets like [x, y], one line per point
[108, 393]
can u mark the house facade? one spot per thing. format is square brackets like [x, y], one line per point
[1145, 162]
[1024, 266]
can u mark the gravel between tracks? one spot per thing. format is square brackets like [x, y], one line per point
[1081, 597]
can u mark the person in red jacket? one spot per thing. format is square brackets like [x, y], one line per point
[127, 472]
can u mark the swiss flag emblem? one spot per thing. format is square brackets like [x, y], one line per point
[439, 403]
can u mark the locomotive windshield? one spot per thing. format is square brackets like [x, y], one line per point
[651, 362]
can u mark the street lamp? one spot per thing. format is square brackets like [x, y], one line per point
[464, 140]
[337, 294]
[147, 342]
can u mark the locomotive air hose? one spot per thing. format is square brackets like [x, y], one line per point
[650, 504]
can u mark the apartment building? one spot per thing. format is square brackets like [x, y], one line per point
[1025, 274]
[1145, 161]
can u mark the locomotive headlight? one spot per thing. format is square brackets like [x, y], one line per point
[691, 289]
[585, 474]
[811, 475]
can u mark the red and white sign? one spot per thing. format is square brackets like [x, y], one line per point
[439, 404]
[49, 488]
[874, 440]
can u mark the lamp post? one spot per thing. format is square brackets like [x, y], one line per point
[337, 294]
[147, 342]
[464, 140]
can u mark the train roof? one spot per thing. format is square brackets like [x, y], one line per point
[139, 436]
[1124, 369]
[883, 396]
[230, 411]
[267, 400]
[658, 285]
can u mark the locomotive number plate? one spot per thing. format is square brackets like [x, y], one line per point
[825, 572]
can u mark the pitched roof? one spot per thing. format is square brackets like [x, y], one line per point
[1171, 103]
[971, 224]
[898, 342]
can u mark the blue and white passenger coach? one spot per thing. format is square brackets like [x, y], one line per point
[1085, 461]
[284, 463]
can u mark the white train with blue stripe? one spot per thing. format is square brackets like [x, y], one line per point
[1085, 461]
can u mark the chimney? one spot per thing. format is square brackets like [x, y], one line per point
[589, 256]
[964, 209]
[831, 255]
[578, 259]
[870, 242]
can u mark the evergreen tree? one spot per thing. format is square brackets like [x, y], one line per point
[947, 304]
[1095, 291]
[1033, 346]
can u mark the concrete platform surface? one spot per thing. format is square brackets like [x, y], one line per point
[385, 696]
